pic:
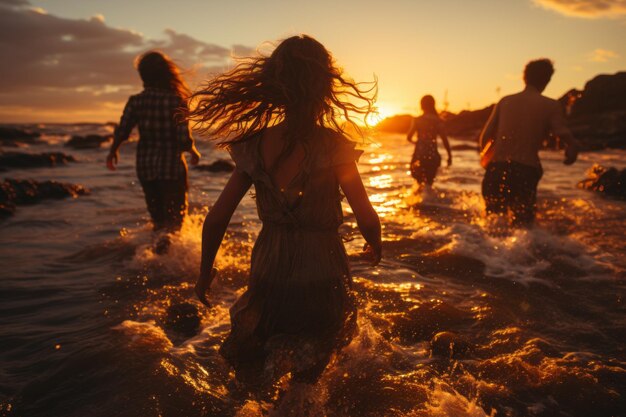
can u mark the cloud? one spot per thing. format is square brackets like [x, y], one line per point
[589, 9]
[184, 45]
[4, 3]
[602, 55]
[242, 50]
[51, 61]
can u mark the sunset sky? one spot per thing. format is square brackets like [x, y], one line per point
[71, 60]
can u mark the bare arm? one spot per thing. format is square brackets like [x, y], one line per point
[412, 131]
[215, 225]
[571, 147]
[558, 126]
[446, 143]
[366, 217]
[183, 135]
[122, 132]
[489, 131]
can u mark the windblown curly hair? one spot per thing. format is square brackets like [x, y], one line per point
[299, 83]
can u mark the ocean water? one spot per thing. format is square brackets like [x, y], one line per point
[455, 321]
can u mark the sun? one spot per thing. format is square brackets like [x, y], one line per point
[382, 112]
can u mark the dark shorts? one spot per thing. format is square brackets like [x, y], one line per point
[424, 168]
[167, 202]
[511, 186]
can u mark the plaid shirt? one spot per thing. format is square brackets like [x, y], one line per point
[161, 138]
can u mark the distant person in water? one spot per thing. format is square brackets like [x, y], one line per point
[163, 138]
[282, 116]
[511, 140]
[426, 159]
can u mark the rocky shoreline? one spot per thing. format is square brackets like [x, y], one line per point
[14, 192]
[596, 115]
[610, 182]
[33, 160]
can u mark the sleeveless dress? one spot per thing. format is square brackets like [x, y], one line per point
[298, 308]
[426, 159]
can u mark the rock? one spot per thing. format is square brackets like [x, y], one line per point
[449, 345]
[18, 134]
[611, 181]
[597, 114]
[88, 142]
[395, 124]
[6, 210]
[28, 160]
[22, 192]
[468, 123]
[221, 165]
[13, 137]
[183, 318]
[602, 94]
[10, 143]
[600, 130]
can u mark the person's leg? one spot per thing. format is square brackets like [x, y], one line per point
[524, 198]
[152, 194]
[312, 374]
[495, 188]
[431, 165]
[418, 172]
[175, 203]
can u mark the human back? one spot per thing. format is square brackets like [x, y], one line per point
[283, 171]
[302, 190]
[524, 121]
[428, 127]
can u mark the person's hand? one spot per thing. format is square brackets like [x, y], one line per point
[373, 253]
[112, 159]
[202, 286]
[195, 156]
[571, 154]
[449, 160]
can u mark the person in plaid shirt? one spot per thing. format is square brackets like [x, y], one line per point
[163, 137]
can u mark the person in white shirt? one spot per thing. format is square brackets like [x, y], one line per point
[515, 131]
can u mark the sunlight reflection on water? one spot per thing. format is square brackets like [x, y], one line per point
[454, 321]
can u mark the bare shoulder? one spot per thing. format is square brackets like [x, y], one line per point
[551, 102]
[510, 98]
[242, 144]
[421, 121]
[550, 105]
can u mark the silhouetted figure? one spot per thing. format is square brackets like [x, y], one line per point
[510, 143]
[426, 159]
[161, 167]
[298, 308]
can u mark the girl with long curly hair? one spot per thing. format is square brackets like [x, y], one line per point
[282, 118]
